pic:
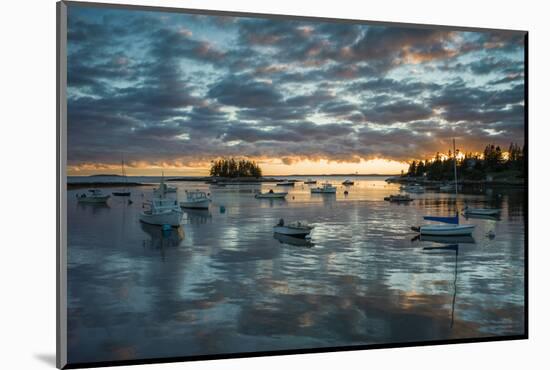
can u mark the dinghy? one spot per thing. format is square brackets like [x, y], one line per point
[271, 195]
[93, 196]
[292, 240]
[297, 229]
[481, 211]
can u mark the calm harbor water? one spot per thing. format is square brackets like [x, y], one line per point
[222, 283]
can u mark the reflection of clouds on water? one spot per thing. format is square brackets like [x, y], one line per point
[229, 285]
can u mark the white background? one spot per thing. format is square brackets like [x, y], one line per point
[27, 196]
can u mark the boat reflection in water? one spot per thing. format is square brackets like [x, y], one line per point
[292, 240]
[198, 216]
[94, 208]
[459, 239]
[449, 248]
[162, 238]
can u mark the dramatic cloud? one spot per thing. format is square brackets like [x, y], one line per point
[180, 90]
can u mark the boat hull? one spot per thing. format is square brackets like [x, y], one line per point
[482, 212]
[201, 204]
[447, 230]
[172, 218]
[271, 196]
[291, 231]
[96, 200]
[121, 193]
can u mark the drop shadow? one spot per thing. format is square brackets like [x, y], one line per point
[47, 358]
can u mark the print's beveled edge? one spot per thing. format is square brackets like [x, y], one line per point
[61, 185]
[303, 351]
[61, 194]
[290, 17]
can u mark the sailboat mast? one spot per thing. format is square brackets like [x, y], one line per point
[454, 161]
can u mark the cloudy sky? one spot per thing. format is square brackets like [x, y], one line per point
[174, 91]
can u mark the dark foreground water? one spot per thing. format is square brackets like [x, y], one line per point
[223, 283]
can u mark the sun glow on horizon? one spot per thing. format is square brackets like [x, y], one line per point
[270, 167]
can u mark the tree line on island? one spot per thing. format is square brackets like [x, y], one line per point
[493, 162]
[230, 167]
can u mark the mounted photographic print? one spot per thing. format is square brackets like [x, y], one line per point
[234, 184]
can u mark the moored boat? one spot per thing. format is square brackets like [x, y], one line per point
[125, 192]
[481, 211]
[447, 230]
[297, 229]
[453, 227]
[399, 198]
[326, 188]
[310, 182]
[195, 200]
[271, 195]
[286, 183]
[93, 196]
[165, 188]
[161, 210]
[348, 182]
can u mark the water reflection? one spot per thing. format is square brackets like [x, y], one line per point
[229, 285]
[160, 238]
[198, 216]
[453, 247]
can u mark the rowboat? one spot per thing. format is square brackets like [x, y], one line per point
[271, 195]
[93, 196]
[447, 230]
[292, 240]
[297, 229]
[481, 211]
[195, 200]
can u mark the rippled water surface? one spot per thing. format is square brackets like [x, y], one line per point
[223, 283]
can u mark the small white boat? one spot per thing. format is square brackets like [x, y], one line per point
[271, 195]
[310, 182]
[481, 211]
[326, 188]
[447, 230]
[93, 196]
[297, 229]
[348, 182]
[292, 240]
[195, 200]
[162, 211]
[414, 189]
[285, 183]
